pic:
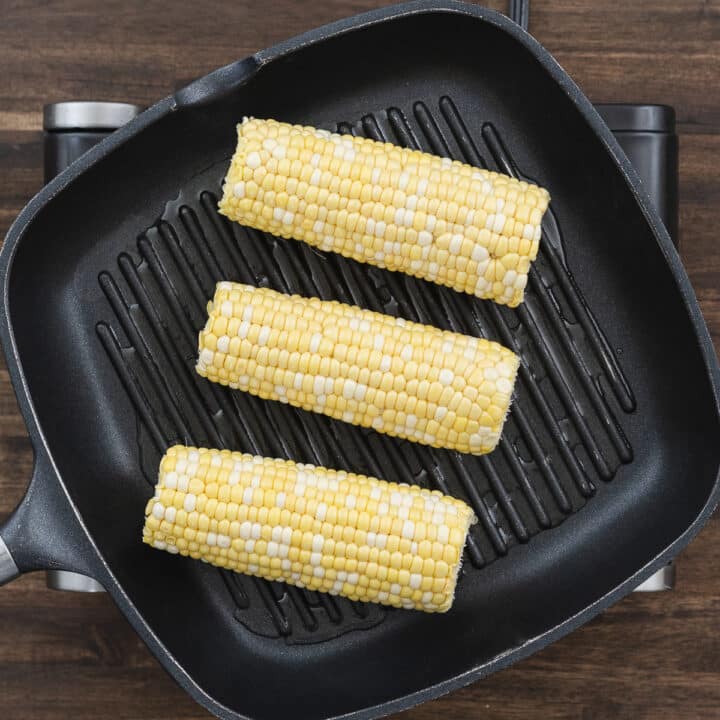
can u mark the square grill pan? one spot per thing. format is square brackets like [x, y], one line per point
[608, 463]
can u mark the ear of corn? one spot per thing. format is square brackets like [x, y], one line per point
[471, 229]
[314, 528]
[398, 377]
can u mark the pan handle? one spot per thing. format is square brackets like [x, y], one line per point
[43, 532]
[8, 569]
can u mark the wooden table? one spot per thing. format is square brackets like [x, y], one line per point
[65, 655]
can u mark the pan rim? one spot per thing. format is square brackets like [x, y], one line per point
[246, 69]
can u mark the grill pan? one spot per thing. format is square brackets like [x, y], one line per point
[609, 461]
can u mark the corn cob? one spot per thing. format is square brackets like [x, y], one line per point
[471, 229]
[326, 530]
[401, 378]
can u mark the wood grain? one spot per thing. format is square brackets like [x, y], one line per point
[652, 656]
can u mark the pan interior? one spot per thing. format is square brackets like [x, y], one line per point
[610, 451]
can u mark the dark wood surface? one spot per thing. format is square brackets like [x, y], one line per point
[652, 656]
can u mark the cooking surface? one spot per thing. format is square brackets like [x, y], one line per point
[66, 637]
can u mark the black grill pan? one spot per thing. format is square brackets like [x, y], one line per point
[609, 461]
